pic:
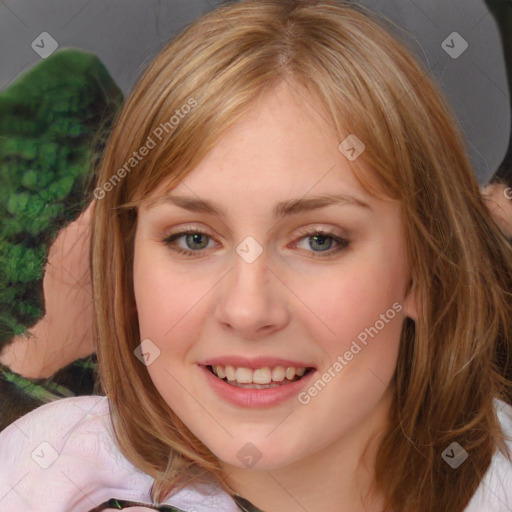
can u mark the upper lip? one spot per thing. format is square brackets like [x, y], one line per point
[253, 363]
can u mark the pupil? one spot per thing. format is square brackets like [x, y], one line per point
[321, 240]
[194, 238]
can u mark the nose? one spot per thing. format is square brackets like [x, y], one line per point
[251, 301]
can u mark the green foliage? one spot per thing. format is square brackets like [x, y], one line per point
[50, 119]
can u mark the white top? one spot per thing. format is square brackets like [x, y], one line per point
[62, 457]
[495, 491]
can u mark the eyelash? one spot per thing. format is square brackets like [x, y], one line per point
[342, 242]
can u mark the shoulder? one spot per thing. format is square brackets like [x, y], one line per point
[57, 423]
[54, 422]
[495, 490]
[63, 456]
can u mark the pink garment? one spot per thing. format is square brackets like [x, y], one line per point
[495, 491]
[62, 457]
[133, 509]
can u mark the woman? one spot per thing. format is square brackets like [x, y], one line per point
[339, 314]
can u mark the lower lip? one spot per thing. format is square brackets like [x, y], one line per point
[243, 397]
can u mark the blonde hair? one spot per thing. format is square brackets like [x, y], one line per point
[459, 262]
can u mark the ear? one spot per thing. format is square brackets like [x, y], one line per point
[411, 302]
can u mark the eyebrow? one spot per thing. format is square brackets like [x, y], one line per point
[281, 209]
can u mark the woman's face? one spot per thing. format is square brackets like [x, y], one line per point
[291, 269]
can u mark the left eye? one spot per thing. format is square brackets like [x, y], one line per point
[195, 241]
[317, 241]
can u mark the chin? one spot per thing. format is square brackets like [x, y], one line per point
[259, 456]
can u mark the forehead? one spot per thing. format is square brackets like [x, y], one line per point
[283, 145]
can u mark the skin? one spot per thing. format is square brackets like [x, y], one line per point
[65, 333]
[499, 202]
[284, 304]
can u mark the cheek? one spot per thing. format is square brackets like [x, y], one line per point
[356, 297]
[168, 299]
[364, 311]
[155, 294]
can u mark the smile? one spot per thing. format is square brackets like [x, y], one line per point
[259, 378]
[262, 387]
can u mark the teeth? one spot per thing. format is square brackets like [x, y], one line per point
[230, 372]
[262, 376]
[259, 376]
[220, 372]
[253, 386]
[300, 371]
[243, 375]
[278, 373]
[290, 373]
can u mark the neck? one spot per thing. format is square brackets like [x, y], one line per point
[336, 479]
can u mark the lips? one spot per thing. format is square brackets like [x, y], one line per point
[256, 382]
[262, 371]
[256, 395]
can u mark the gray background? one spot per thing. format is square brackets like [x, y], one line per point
[126, 34]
